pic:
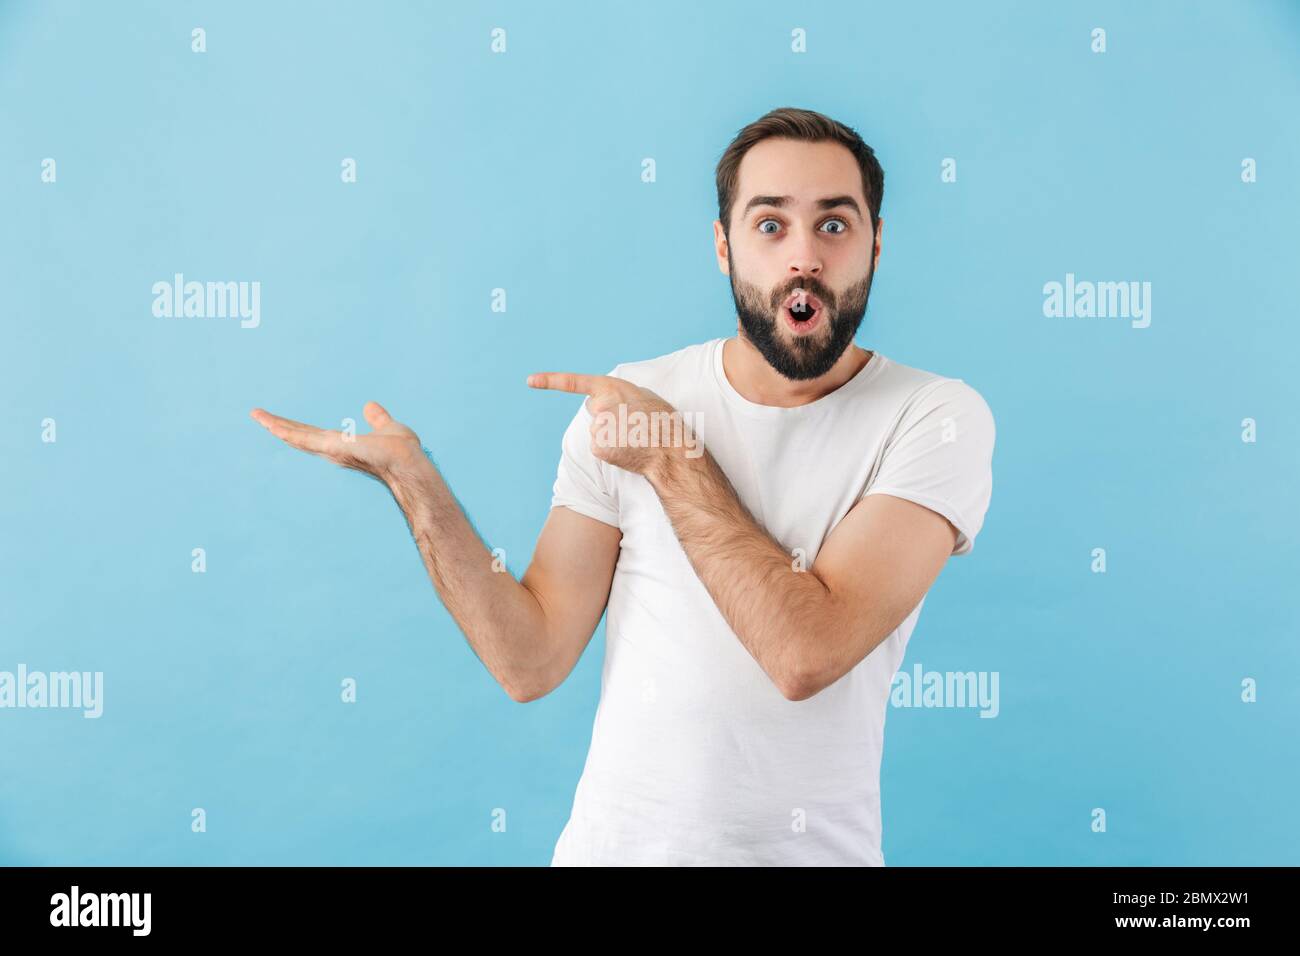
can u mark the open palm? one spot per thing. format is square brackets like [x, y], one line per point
[390, 445]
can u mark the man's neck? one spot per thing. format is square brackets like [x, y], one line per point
[756, 380]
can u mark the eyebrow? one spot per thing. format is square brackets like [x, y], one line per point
[831, 202]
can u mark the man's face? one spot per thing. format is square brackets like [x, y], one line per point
[800, 222]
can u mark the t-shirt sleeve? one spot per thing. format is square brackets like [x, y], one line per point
[941, 457]
[583, 482]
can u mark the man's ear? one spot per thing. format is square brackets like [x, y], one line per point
[720, 247]
[875, 258]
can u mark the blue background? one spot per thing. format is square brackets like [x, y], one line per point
[522, 171]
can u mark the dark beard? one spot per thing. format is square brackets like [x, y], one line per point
[804, 357]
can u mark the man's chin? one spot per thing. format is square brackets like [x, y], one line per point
[803, 373]
[795, 357]
[799, 364]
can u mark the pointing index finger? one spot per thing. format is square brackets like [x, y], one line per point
[570, 382]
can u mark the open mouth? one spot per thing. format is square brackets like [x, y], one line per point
[802, 311]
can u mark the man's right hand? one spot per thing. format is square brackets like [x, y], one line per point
[383, 452]
[529, 633]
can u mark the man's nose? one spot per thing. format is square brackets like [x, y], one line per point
[805, 273]
[804, 258]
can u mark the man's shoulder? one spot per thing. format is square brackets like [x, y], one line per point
[690, 361]
[922, 388]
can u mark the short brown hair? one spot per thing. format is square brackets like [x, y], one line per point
[790, 123]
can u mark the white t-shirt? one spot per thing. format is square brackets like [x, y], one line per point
[696, 757]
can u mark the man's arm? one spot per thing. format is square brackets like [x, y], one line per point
[806, 629]
[529, 633]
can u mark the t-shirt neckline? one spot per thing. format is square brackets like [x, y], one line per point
[854, 385]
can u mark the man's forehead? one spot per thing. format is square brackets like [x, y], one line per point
[798, 175]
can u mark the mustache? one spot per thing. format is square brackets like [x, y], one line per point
[811, 286]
